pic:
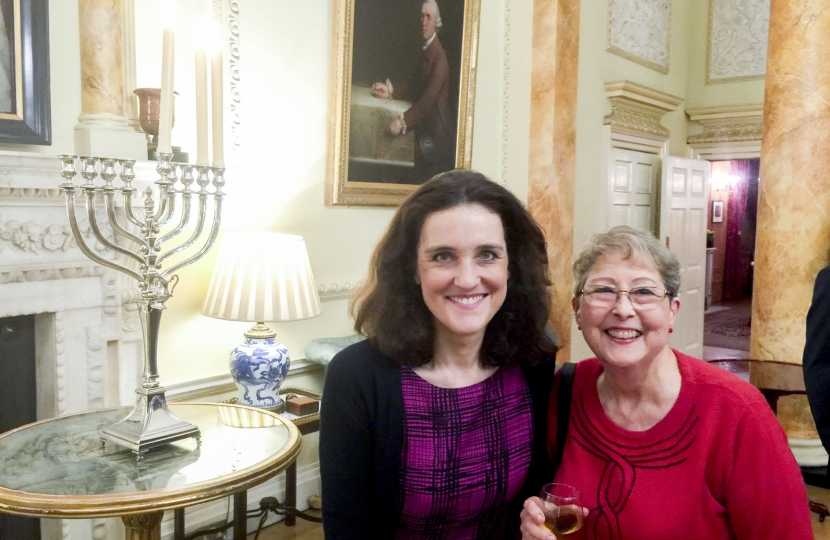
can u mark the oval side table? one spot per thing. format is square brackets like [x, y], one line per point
[58, 468]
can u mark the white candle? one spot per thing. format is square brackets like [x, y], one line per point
[216, 76]
[167, 62]
[201, 109]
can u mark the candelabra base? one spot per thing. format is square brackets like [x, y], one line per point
[150, 424]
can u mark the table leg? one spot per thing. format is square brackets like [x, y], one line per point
[240, 519]
[291, 494]
[143, 526]
[178, 524]
[772, 400]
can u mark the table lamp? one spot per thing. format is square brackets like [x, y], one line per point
[261, 277]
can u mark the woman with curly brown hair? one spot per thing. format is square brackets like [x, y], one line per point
[435, 426]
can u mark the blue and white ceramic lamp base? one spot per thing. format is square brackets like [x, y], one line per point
[259, 367]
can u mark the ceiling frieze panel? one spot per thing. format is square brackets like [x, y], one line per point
[738, 33]
[639, 30]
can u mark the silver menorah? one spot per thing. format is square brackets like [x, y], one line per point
[150, 423]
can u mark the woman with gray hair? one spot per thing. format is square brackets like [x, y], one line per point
[660, 444]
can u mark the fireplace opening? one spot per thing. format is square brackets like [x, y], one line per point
[18, 402]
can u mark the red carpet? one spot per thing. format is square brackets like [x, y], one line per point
[728, 328]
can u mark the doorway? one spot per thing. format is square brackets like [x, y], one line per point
[733, 210]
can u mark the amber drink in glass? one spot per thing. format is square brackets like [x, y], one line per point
[563, 511]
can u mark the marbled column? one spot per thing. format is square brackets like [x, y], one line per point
[552, 163]
[793, 232]
[102, 50]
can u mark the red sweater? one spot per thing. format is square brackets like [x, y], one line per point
[716, 467]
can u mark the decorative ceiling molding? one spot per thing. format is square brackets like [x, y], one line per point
[647, 124]
[737, 44]
[639, 30]
[337, 288]
[226, 12]
[637, 109]
[727, 133]
[727, 124]
[235, 76]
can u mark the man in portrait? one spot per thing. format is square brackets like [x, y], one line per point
[428, 89]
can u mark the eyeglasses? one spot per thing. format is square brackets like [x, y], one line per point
[642, 297]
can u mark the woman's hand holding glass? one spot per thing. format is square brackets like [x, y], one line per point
[556, 512]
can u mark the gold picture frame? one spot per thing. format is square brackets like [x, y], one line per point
[367, 165]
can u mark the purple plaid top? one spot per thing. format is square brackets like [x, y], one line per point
[465, 456]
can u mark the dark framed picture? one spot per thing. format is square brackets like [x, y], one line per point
[717, 211]
[402, 95]
[25, 103]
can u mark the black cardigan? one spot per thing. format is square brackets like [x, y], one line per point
[816, 359]
[361, 438]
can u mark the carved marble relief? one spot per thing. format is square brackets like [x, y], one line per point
[639, 30]
[37, 236]
[738, 31]
[227, 13]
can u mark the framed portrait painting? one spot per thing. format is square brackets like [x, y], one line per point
[25, 110]
[402, 95]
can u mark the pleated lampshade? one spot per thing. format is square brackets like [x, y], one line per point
[262, 277]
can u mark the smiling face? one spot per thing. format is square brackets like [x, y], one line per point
[427, 21]
[462, 269]
[622, 334]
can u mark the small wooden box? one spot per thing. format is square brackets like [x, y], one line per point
[302, 405]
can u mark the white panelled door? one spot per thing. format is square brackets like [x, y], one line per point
[632, 179]
[685, 196]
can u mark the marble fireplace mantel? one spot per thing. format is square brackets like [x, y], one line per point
[88, 336]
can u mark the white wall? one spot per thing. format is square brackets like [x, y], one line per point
[502, 111]
[279, 182]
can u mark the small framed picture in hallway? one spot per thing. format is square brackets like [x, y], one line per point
[717, 211]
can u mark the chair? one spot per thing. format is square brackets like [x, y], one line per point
[817, 476]
[776, 379]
